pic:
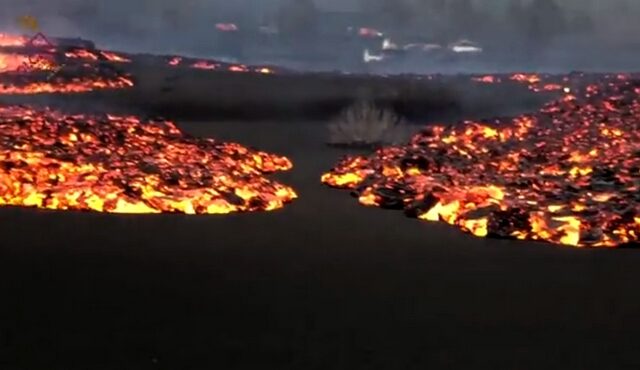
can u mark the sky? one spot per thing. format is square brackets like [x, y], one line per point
[146, 24]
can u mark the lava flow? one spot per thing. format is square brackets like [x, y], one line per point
[217, 66]
[58, 83]
[96, 55]
[568, 174]
[12, 40]
[535, 82]
[32, 68]
[125, 165]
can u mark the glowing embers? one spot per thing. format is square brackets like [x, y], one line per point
[569, 174]
[96, 55]
[45, 69]
[535, 82]
[12, 40]
[177, 61]
[58, 80]
[124, 165]
[10, 62]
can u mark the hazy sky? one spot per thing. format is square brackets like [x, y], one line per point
[132, 20]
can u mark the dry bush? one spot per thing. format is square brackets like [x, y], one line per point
[366, 125]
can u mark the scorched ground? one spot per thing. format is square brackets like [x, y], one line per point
[568, 174]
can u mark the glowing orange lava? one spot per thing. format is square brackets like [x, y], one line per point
[568, 174]
[36, 69]
[205, 65]
[95, 55]
[81, 54]
[124, 165]
[489, 79]
[64, 85]
[12, 40]
[12, 62]
[177, 61]
[238, 68]
[114, 57]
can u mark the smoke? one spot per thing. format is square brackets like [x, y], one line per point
[594, 34]
[140, 25]
[544, 35]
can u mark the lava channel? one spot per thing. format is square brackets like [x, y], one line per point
[120, 164]
[568, 174]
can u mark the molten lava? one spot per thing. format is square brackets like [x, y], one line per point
[32, 68]
[177, 61]
[61, 85]
[125, 165]
[12, 40]
[535, 82]
[568, 174]
[95, 55]
[203, 64]
[12, 62]
[114, 57]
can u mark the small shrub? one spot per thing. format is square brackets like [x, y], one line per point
[366, 125]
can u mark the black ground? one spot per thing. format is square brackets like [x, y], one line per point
[322, 284]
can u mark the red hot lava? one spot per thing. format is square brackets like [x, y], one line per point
[31, 68]
[568, 174]
[12, 40]
[125, 165]
[535, 82]
[96, 55]
[177, 61]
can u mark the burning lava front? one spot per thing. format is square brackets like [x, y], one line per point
[40, 67]
[535, 82]
[125, 165]
[568, 174]
[7, 39]
[212, 65]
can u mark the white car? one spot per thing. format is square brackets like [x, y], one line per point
[387, 44]
[465, 47]
[422, 47]
[368, 57]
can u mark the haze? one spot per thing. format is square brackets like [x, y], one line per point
[602, 31]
